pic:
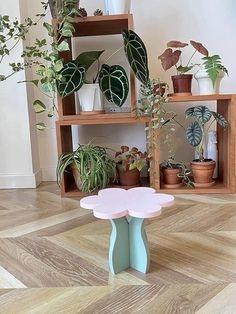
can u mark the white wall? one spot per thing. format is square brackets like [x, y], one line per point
[212, 22]
[19, 166]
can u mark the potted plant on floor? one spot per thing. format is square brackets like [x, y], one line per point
[172, 56]
[210, 75]
[129, 164]
[91, 166]
[202, 169]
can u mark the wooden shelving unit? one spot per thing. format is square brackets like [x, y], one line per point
[108, 25]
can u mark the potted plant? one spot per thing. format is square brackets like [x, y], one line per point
[129, 164]
[117, 7]
[91, 166]
[202, 169]
[175, 174]
[210, 75]
[172, 56]
[91, 93]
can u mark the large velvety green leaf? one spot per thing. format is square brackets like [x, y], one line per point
[114, 83]
[137, 55]
[194, 134]
[220, 119]
[203, 114]
[73, 78]
[88, 58]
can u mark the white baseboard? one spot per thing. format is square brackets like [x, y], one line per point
[49, 173]
[20, 181]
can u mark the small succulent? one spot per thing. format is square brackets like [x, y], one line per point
[83, 12]
[98, 12]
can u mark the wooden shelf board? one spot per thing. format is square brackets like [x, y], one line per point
[74, 192]
[102, 25]
[201, 98]
[109, 118]
[218, 188]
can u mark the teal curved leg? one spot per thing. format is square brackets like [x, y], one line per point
[138, 243]
[119, 245]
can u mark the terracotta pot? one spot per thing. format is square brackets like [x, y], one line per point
[182, 84]
[170, 175]
[76, 175]
[203, 171]
[159, 89]
[129, 177]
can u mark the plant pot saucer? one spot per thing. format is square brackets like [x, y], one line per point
[204, 185]
[171, 186]
[90, 113]
[180, 94]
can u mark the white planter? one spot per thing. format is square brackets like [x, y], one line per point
[117, 6]
[205, 83]
[90, 98]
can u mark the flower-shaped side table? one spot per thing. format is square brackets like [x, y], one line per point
[127, 210]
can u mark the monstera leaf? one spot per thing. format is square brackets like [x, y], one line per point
[203, 114]
[114, 83]
[220, 119]
[72, 78]
[194, 134]
[136, 53]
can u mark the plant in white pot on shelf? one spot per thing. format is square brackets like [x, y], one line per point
[112, 80]
[202, 169]
[210, 75]
[117, 6]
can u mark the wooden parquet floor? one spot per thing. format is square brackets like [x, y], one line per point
[53, 258]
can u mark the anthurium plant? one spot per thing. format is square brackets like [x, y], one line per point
[197, 129]
[172, 56]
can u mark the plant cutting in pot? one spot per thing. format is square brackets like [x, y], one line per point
[202, 169]
[174, 173]
[91, 166]
[129, 164]
[210, 75]
[172, 56]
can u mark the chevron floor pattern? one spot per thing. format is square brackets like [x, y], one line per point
[53, 258]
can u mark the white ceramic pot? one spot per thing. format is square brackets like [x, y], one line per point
[90, 98]
[205, 83]
[117, 6]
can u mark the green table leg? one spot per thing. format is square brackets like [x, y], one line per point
[119, 245]
[128, 245]
[138, 243]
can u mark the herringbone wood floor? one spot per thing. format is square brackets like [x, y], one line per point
[53, 258]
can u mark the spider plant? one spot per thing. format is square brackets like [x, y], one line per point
[93, 163]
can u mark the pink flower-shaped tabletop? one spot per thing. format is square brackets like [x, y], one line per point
[138, 202]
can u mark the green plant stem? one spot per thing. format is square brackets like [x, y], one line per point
[191, 58]
[114, 53]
